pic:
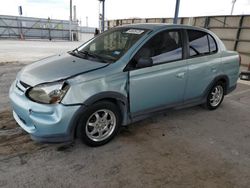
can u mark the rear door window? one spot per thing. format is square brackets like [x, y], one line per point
[200, 43]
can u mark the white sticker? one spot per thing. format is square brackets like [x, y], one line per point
[135, 31]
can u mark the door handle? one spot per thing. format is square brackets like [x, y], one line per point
[180, 75]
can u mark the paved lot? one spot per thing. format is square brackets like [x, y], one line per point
[26, 51]
[186, 148]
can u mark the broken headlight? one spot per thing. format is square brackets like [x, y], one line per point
[50, 93]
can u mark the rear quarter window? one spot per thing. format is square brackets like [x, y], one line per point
[212, 44]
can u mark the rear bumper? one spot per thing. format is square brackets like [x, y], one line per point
[45, 123]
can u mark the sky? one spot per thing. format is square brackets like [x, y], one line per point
[120, 9]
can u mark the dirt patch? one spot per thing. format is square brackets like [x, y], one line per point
[6, 120]
[13, 140]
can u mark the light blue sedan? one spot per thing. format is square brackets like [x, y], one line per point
[121, 76]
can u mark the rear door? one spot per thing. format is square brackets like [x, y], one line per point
[162, 84]
[203, 63]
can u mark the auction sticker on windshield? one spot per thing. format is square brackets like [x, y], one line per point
[135, 31]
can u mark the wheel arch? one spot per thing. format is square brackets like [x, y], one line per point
[111, 95]
[117, 98]
[222, 78]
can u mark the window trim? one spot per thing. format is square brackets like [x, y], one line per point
[202, 55]
[185, 47]
[183, 43]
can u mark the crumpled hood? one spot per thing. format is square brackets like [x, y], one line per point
[56, 68]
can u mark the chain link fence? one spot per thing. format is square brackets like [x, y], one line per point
[19, 27]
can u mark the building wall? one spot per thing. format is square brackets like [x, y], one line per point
[85, 36]
[234, 31]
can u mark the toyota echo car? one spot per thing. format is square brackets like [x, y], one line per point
[121, 76]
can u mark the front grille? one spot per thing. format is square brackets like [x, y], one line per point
[19, 88]
[24, 84]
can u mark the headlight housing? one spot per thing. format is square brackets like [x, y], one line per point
[51, 93]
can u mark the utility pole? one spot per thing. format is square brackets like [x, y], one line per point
[20, 10]
[70, 20]
[74, 13]
[177, 5]
[233, 3]
[49, 28]
[103, 13]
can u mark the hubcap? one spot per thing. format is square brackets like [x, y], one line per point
[216, 96]
[100, 125]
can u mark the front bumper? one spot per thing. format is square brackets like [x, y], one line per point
[45, 123]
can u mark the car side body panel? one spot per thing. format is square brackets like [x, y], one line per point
[230, 66]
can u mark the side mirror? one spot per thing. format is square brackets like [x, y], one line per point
[144, 62]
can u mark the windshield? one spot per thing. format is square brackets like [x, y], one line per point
[111, 45]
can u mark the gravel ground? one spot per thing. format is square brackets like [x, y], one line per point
[185, 148]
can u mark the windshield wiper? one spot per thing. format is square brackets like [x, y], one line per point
[86, 53]
[75, 53]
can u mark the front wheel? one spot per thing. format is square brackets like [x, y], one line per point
[99, 123]
[215, 96]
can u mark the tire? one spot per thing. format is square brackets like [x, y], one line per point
[215, 96]
[99, 123]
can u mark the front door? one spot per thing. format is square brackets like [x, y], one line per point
[162, 84]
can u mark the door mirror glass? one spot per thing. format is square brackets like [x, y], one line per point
[144, 62]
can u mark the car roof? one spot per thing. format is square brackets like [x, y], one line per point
[157, 26]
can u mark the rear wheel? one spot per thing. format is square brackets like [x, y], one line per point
[215, 96]
[99, 123]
